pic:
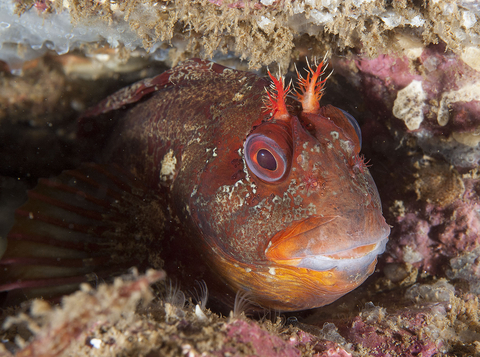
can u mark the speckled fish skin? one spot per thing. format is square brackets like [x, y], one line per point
[182, 135]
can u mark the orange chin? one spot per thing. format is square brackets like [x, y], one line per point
[288, 288]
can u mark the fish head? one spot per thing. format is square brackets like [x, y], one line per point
[337, 222]
[290, 213]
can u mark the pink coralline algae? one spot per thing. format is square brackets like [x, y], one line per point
[429, 234]
[261, 342]
[264, 343]
[446, 80]
[428, 92]
[374, 332]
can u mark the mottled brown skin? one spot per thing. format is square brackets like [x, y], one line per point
[181, 136]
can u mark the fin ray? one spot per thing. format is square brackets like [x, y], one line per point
[71, 227]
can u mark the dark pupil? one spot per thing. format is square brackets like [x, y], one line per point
[266, 160]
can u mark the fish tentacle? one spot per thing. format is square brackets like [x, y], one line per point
[359, 162]
[276, 98]
[312, 87]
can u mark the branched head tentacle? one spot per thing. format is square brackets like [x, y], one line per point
[275, 102]
[311, 88]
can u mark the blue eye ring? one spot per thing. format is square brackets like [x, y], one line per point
[355, 125]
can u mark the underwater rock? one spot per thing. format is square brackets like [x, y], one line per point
[466, 266]
[263, 31]
[434, 213]
[429, 93]
[126, 319]
[264, 343]
[378, 333]
[53, 331]
[440, 223]
[428, 319]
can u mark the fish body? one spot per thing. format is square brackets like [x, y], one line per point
[277, 203]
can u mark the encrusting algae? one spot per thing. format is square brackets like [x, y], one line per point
[264, 32]
[127, 319]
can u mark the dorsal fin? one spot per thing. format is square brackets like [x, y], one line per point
[138, 90]
[128, 95]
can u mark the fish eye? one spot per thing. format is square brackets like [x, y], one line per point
[265, 157]
[355, 125]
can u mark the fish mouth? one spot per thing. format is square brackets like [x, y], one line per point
[330, 242]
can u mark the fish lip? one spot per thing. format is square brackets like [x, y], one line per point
[342, 262]
[329, 242]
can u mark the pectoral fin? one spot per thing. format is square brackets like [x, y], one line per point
[80, 226]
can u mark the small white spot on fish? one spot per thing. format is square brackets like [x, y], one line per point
[237, 97]
[169, 161]
[346, 146]
[271, 271]
[334, 135]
